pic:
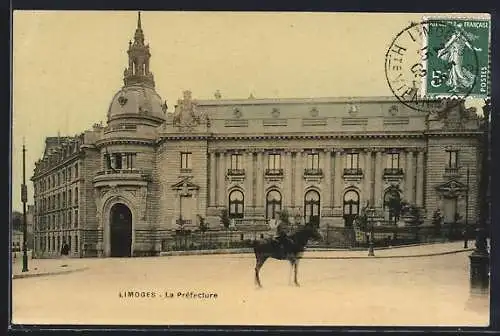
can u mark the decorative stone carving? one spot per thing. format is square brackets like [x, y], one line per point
[353, 109]
[164, 107]
[314, 112]
[393, 110]
[275, 112]
[122, 100]
[186, 115]
[237, 113]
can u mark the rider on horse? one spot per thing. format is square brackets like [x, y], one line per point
[282, 237]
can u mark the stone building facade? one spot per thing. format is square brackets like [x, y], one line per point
[123, 188]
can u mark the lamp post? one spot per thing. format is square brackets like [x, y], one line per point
[370, 214]
[480, 258]
[466, 224]
[24, 199]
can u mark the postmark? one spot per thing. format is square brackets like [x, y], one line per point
[419, 57]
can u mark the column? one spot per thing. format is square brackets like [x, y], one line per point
[420, 178]
[409, 177]
[378, 197]
[368, 194]
[327, 173]
[287, 192]
[299, 178]
[260, 180]
[213, 180]
[221, 182]
[249, 184]
[337, 188]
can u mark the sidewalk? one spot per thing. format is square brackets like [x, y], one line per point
[422, 250]
[44, 267]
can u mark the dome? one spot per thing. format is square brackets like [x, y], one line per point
[137, 100]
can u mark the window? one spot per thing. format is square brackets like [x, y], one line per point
[236, 201]
[69, 242]
[58, 202]
[352, 161]
[313, 161]
[70, 200]
[76, 243]
[186, 161]
[69, 219]
[274, 161]
[273, 204]
[236, 161]
[393, 160]
[116, 160]
[76, 219]
[130, 160]
[64, 199]
[453, 159]
[76, 170]
[311, 207]
[76, 196]
[69, 174]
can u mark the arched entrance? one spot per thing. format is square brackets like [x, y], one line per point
[351, 207]
[120, 226]
[311, 207]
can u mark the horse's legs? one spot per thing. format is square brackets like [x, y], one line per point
[295, 264]
[260, 259]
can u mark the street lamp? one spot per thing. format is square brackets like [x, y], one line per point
[370, 215]
[24, 199]
[466, 224]
[480, 258]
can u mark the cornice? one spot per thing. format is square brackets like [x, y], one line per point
[124, 141]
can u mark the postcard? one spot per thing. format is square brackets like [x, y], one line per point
[250, 168]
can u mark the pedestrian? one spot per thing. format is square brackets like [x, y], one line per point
[65, 250]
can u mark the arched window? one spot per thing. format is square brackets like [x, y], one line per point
[392, 204]
[236, 201]
[351, 206]
[311, 207]
[273, 204]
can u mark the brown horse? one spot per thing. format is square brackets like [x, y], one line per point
[291, 251]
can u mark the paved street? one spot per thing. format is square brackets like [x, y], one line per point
[400, 291]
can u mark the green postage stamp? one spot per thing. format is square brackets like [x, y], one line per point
[457, 58]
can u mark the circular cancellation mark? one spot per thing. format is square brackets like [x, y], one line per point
[431, 66]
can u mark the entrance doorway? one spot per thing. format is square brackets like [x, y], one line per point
[351, 207]
[120, 231]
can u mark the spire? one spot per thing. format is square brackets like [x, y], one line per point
[139, 35]
[137, 71]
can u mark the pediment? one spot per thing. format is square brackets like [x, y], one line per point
[185, 185]
[451, 188]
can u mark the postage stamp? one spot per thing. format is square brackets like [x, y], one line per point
[457, 58]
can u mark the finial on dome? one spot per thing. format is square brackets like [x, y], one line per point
[139, 20]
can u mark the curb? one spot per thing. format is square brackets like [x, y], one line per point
[33, 275]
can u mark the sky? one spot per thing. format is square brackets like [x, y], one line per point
[67, 65]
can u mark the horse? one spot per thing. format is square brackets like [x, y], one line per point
[292, 251]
